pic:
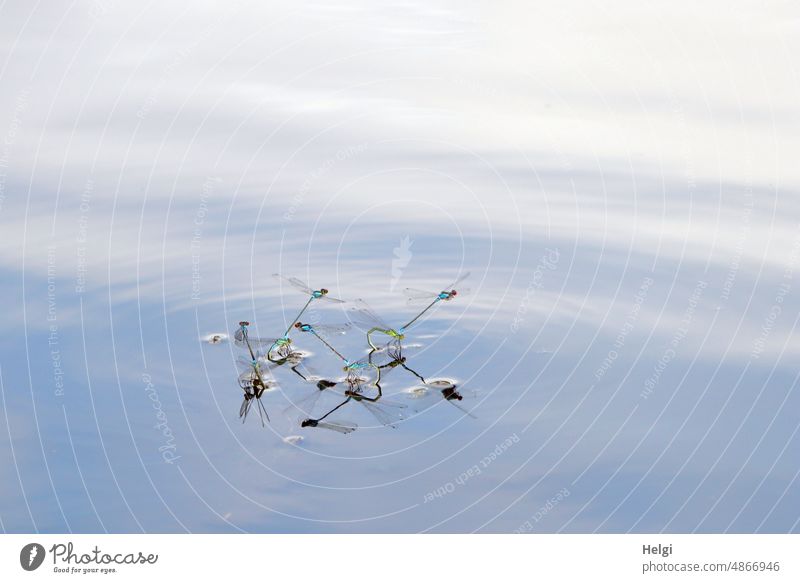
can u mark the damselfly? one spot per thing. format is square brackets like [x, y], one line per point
[313, 294]
[447, 294]
[253, 392]
[252, 380]
[375, 323]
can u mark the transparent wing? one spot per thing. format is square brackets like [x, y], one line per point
[367, 317]
[295, 283]
[414, 294]
[244, 409]
[238, 340]
[424, 396]
[328, 298]
[302, 370]
[394, 405]
[246, 365]
[262, 370]
[419, 294]
[328, 330]
[388, 417]
[306, 404]
[460, 408]
[393, 347]
[344, 427]
[246, 378]
[303, 287]
[461, 278]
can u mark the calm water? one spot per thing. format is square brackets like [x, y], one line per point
[626, 348]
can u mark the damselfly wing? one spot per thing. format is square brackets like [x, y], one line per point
[301, 286]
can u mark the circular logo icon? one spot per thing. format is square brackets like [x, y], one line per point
[31, 556]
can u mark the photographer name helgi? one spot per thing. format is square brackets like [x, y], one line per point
[67, 560]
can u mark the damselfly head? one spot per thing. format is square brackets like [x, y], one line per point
[323, 291]
[244, 323]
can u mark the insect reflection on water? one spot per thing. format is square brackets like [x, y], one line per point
[437, 390]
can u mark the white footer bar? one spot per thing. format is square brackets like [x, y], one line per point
[408, 558]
